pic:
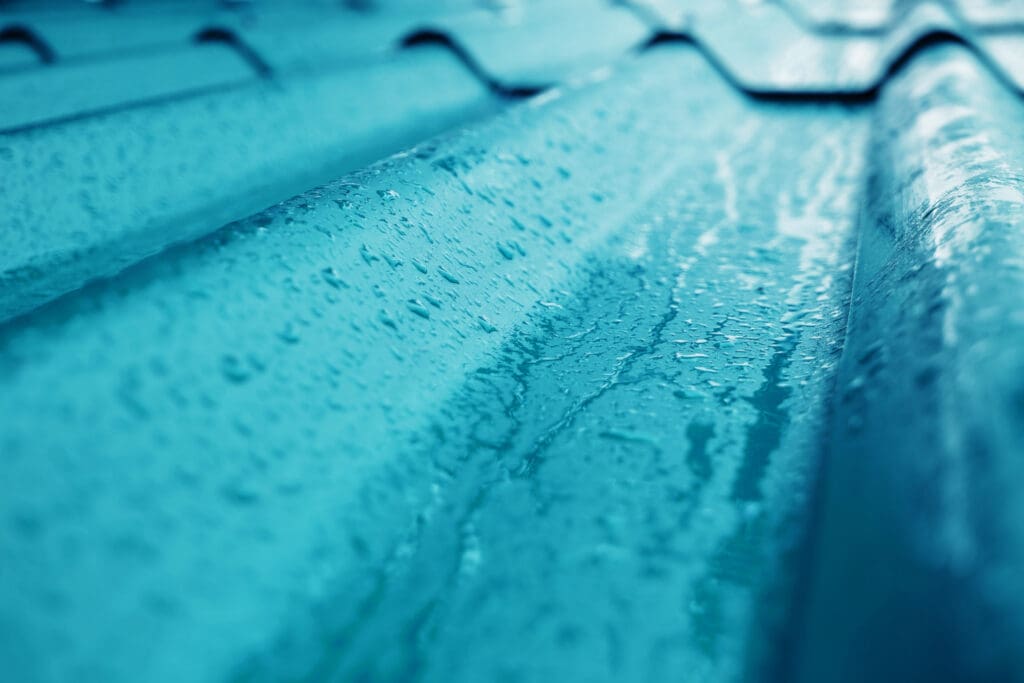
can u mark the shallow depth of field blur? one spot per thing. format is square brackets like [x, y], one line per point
[512, 340]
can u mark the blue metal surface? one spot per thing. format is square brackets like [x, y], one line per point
[137, 180]
[929, 428]
[704, 364]
[869, 16]
[766, 48]
[37, 96]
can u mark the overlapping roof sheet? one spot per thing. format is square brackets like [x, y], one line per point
[584, 341]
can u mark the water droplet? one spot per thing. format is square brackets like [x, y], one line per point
[289, 335]
[417, 308]
[240, 493]
[234, 369]
[368, 255]
[448, 276]
[333, 278]
[486, 325]
[688, 394]
[386, 319]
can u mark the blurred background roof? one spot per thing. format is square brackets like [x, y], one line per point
[519, 341]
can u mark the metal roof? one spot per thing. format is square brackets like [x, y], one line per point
[637, 341]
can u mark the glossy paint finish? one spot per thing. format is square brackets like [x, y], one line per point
[138, 180]
[648, 377]
[926, 442]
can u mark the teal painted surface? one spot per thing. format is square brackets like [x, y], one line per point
[616, 481]
[38, 96]
[640, 379]
[834, 48]
[135, 181]
[243, 428]
[14, 55]
[925, 464]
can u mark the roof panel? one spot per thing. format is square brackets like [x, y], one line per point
[770, 49]
[57, 93]
[705, 363]
[135, 181]
[927, 427]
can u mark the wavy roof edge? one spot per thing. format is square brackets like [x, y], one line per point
[787, 57]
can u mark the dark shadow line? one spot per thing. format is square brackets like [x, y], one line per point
[219, 34]
[848, 96]
[861, 96]
[17, 33]
[854, 97]
[427, 36]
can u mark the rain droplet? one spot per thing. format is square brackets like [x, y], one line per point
[505, 251]
[368, 255]
[417, 308]
[289, 334]
[234, 369]
[333, 278]
[240, 493]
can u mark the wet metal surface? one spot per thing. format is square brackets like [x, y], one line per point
[643, 378]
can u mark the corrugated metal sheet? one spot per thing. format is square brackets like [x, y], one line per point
[704, 364]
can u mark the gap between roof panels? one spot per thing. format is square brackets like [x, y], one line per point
[842, 94]
[226, 36]
[850, 96]
[23, 35]
[427, 36]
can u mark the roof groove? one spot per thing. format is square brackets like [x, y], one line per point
[925, 426]
[220, 34]
[426, 36]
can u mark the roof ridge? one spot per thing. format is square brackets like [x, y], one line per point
[915, 42]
